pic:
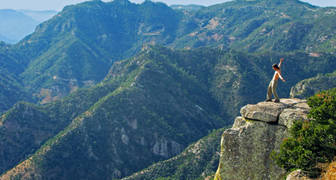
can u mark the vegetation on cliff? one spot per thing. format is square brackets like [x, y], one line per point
[311, 142]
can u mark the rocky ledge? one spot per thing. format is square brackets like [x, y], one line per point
[247, 146]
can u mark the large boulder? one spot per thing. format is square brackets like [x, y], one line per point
[270, 112]
[247, 146]
[298, 112]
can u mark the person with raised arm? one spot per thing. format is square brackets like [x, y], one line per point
[274, 83]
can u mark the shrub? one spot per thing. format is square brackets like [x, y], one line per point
[311, 142]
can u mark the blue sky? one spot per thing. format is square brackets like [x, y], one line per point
[59, 4]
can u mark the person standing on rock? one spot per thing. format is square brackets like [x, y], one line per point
[274, 83]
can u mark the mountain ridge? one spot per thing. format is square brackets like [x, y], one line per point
[311, 86]
[81, 34]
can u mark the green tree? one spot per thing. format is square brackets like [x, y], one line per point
[314, 141]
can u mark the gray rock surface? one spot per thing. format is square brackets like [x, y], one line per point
[271, 112]
[239, 121]
[247, 146]
[296, 113]
[263, 111]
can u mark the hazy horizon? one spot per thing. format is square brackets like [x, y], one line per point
[59, 4]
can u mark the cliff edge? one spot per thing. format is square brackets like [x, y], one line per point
[247, 146]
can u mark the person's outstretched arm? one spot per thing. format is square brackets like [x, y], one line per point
[281, 60]
[282, 78]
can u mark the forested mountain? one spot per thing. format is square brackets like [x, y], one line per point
[148, 108]
[154, 103]
[131, 126]
[311, 86]
[76, 48]
[11, 86]
[262, 25]
[198, 161]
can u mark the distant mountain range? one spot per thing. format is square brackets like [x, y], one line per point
[5, 39]
[118, 86]
[39, 16]
[16, 24]
[94, 34]
[187, 7]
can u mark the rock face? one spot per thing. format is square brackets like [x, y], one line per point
[247, 146]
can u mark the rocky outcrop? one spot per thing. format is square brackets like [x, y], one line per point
[247, 146]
